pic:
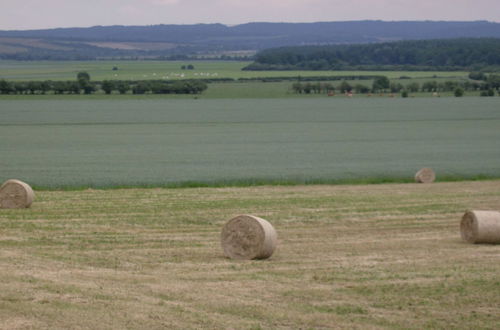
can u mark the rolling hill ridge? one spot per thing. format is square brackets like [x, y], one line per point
[220, 40]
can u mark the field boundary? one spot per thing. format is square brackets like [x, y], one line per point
[256, 182]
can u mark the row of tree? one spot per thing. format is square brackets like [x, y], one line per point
[85, 86]
[427, 54]
[383, 84]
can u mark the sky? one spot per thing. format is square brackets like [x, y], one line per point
[39, 14]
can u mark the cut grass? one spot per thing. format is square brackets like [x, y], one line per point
[363, 256]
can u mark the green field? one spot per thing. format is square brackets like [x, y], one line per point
[146, 70]
[75, 142]
[348, 257]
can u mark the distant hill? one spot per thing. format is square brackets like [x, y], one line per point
[443, 54]
[220, 40]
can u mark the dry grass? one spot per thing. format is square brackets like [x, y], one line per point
[348, 257]
[29, 42]
[133, 45]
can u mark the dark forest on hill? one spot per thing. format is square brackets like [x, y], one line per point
[449, 54]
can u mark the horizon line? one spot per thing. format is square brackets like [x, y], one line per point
[253, 22]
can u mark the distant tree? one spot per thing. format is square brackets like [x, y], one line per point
[196, 86]
[477, 76]
[6, 87]
[307, 88]
[190, 67]
[459, 92]
[316, 87]
[413, 87]
[122, 87]
[362, 89]
[159, 87]
[345, 87]
[83, 76]
[73, 87]
[183, 67]
[83, 79]
[45, 86]
[396, 87]
[21, 87]
[89, 89]
[108, 86]
[115, 68]
[404, 93]
[59, 87]
[32, 86]
[429, 86]
[141, 88]
[494, 81]
[381, 83]
[450, 85]
[328, 88]
[296, 87]
[489, 92]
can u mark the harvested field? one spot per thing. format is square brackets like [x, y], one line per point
[375, 256]
[32, 43]
[134, 45]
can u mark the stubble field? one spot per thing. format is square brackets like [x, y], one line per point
[362, 257]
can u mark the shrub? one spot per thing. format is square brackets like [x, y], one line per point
[477, 76]
[489, 92]
[459, 92]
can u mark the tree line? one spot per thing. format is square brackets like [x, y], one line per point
[84, 85]
[487, 86]
[449, 54]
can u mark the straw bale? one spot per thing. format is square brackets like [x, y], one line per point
[481, 227]
[15, 194]
[425, 175]
[248, 237]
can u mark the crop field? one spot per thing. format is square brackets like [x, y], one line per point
[147, 70]
[147, 257]
[357, 257]
[79, 142]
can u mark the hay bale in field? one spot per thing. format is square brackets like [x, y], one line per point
[248, 237]
[15, 194]
[425, 175]
[481, 227]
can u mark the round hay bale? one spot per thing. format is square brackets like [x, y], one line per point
[481, 227]
[248, 237]
[15, 194]
[425, 175]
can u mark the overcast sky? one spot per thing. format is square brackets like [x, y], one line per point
[36, 14]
